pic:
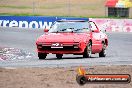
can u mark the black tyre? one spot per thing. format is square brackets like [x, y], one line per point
[88, 51]
[42, 55]
[81, 80]
[59, 56]
[103, 52]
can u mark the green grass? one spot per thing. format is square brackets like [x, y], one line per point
[29, 14]
[15, 7]
[19, 14]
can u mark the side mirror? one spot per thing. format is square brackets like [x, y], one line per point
[95, 30]
[46, 30]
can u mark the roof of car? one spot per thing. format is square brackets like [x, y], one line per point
[71, 20]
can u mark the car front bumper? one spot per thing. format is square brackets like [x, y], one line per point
[66, 48]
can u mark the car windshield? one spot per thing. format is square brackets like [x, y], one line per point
[78, 27]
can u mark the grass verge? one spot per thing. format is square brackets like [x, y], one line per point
[31, 14]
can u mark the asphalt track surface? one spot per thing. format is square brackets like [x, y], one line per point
[119, 51]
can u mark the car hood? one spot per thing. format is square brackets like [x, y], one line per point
[63, 37]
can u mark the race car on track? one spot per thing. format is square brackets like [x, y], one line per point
[78, 37]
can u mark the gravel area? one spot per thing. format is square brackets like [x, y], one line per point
[57, 77]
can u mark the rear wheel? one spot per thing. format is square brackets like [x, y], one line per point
[42, 55]
[103, 52]
[88, 51]
[59, 56]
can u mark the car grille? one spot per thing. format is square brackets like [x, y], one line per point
[65, 48]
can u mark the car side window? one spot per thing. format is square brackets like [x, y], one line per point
[92, 26]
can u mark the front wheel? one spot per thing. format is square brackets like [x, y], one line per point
[103, 52]
[59, 56]
[42, 55]
[88, 51]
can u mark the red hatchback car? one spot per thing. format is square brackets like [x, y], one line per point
[77, 37]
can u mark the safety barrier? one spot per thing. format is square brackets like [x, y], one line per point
[113, 25]
[32, 21]
[41, 22]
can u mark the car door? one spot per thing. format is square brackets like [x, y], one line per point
[96, 38]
